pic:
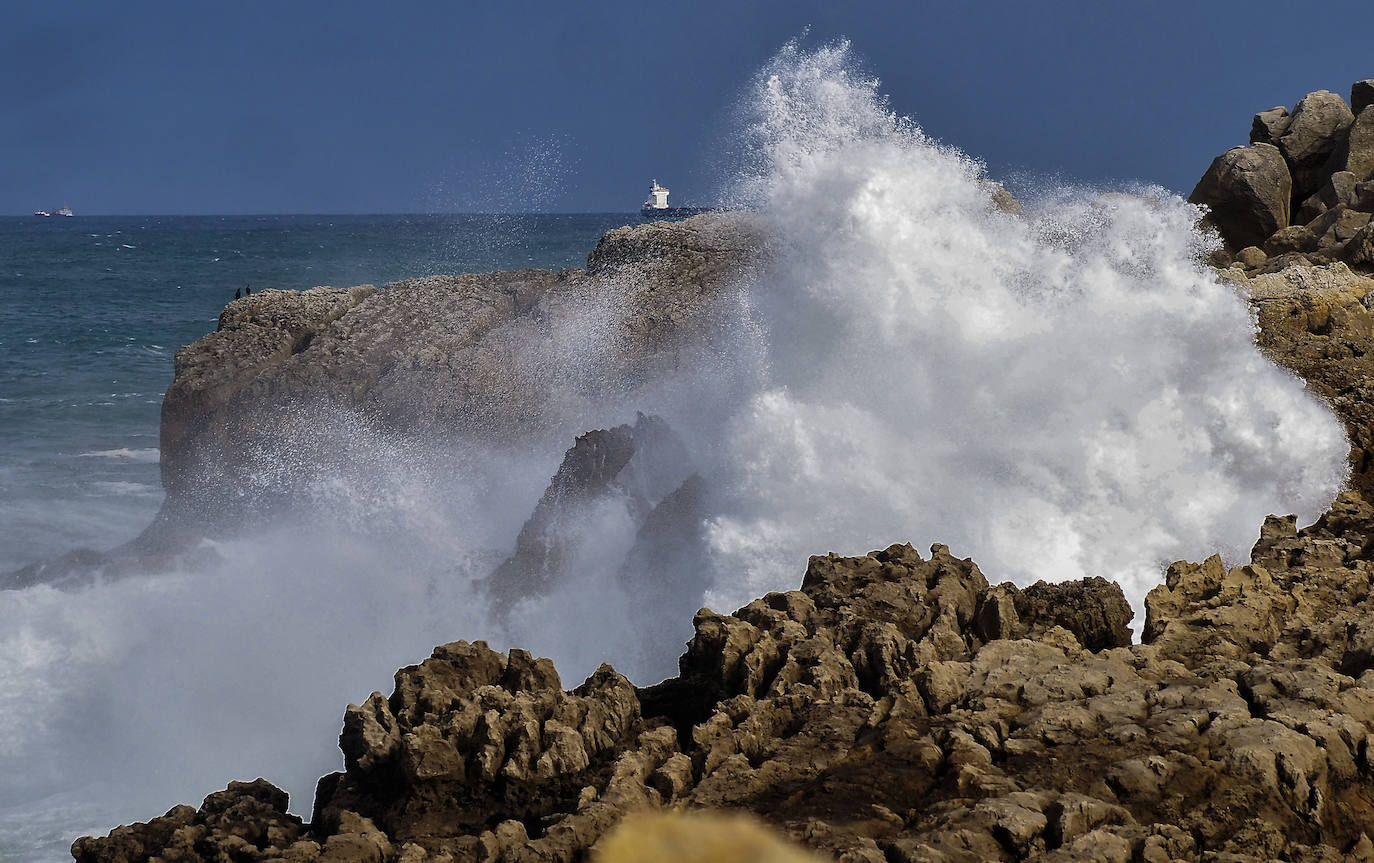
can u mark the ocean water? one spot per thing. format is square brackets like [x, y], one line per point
[1064, 393]
[92, 310]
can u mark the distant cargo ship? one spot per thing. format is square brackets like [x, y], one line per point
[60, 211]
[656, 207]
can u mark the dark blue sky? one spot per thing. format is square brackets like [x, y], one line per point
[340, 106]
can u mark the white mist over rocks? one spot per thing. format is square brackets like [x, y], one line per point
[1059, 394]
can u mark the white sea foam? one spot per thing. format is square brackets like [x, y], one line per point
[1061, 394]
[1064, 394]
[147, 454]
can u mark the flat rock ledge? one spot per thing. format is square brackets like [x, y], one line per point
[470, 356]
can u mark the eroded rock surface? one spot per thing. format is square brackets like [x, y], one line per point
[896, 707]
[1316, 320]
[475, 357]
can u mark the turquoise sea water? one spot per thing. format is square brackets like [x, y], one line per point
[92, 310]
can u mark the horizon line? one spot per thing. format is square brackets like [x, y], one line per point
[63, 219]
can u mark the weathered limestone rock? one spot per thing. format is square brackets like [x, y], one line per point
[896, 707]
[1248, 192]
[240, 822]
[1356, 152]
[1314, 321]
[1294, 238]
[437, 358]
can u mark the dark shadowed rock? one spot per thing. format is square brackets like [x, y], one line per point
[1094, 610]
[1359, 250]
[1361, 95]
[1248, 192]
[1337, 225]
[632, 467]
[1314, 132]
[1269, 126]
[665, 575]
[1310, 209]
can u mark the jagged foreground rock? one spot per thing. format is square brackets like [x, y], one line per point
[894, 708]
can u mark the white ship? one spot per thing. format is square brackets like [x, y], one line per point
[656, 206]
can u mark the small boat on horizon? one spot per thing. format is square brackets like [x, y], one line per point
[63, 211]
[656, 206]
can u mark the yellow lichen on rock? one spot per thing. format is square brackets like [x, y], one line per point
[697, 837]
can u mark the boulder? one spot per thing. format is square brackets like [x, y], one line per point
[1340, 189]
[1251, 257]
[1359, 249]
[1311, 207]
[1248, 192]
[1314, 133]
[1294, 238]
[1364, 196]
[1337, 225]
[1268, 126]
[1356, 151]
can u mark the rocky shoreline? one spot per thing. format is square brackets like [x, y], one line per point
[897, 708]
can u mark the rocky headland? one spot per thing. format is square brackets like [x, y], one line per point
[1302, 191]
[896, 707]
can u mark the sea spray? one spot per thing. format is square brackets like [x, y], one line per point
[1059, 394]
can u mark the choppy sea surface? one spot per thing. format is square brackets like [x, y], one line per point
[92, 310]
